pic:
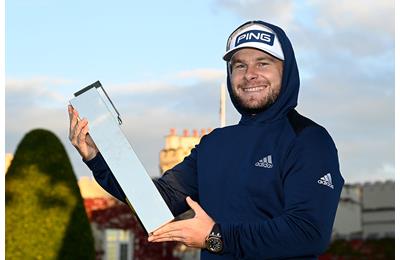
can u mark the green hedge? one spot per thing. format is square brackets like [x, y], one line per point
[45, 215]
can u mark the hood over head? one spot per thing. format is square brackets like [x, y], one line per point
[282, 49]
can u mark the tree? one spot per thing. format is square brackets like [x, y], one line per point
[45, 214]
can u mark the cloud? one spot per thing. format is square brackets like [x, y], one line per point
[189, 100]
[138, 88]
[368, 15]
[359, 27]
[40, 91]
[275, 11]
[201, 74]
[185, 89]
[148, 118]
[39, 102]
[359, 114]
[148, 110]
[168, 84]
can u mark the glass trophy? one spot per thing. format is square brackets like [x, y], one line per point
[104, 120]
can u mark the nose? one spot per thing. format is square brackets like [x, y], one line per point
[251, 72]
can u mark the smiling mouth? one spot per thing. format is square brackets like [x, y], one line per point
[253, 89]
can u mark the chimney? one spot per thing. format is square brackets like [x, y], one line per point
[195, 133]
[172, 131]
[185, 133]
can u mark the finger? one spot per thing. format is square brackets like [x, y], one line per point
[82, 135]
[78, 129]
[158, 240]
[164, 230]
[194, 205]
[171, 227]
[73, 114]
[82, 125]
[171, 236]
[70, 112]
[73, 121]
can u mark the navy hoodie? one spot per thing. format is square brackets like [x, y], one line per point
[272, 182]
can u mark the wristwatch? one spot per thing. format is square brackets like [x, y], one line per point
[214, 242]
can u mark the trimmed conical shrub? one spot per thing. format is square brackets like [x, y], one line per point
[45, 215]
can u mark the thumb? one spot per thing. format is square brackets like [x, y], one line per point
[194, 205]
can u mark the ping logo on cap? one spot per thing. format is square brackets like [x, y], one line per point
[255, 36]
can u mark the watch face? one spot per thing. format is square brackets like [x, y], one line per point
[214, 244]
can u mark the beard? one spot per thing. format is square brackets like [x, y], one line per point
[255, 107]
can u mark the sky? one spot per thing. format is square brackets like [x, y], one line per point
[161, 63]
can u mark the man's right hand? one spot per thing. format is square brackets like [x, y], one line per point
[79, 137]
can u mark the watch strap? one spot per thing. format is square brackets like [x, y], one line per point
[216, 230]
[215, 235]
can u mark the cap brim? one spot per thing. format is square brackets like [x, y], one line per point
[228, 55]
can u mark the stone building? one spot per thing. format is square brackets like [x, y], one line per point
[378, 216]
[91, 189]
[118, 234]
[366, 211]
[8, 160]
[348, 215]
[178, 147]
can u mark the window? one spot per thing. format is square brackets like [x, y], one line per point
[118, 244]
[390, 234]
[373, 236]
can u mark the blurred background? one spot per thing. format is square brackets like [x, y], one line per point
[161, 63]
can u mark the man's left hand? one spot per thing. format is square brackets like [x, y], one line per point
[191, 232]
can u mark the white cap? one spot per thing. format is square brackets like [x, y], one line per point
[256, 36]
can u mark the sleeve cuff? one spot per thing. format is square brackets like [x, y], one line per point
[97, 163]
[226, 230]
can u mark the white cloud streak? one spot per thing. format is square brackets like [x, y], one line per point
[40, 91]
[366, 15]
[148, 110]
[275, 11]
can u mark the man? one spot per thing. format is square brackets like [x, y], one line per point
[266, 188]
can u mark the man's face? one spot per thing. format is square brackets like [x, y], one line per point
[256, 79]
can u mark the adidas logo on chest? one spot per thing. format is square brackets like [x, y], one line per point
[265, 162]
